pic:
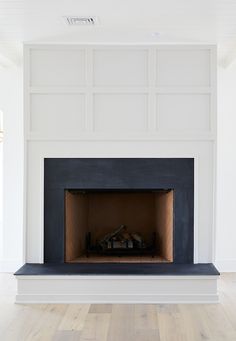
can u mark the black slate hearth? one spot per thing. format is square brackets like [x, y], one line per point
[118, 269]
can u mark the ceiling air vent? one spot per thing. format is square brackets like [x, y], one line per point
[74, 20]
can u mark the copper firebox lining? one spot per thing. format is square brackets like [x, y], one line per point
[99, 213]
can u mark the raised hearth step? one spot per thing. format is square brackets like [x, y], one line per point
[151, 269]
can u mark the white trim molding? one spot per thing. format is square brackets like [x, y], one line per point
[117, 289]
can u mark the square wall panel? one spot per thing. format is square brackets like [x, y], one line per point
[120, 112]
[183, 112]
[57, 114]
[118, 67]
[57, 67]
[183, 67]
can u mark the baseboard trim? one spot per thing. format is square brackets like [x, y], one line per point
[117, 289]
[226, 265]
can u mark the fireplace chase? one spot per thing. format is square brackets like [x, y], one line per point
[119, 210]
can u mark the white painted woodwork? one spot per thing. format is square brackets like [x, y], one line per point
[117, 289]
[120, 101]
[120, 67]
[57, 67]
[125, 89]
[191, 112]
[183, 67]
[57, 112]
[120, 112]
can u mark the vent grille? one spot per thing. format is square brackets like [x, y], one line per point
[74, 20]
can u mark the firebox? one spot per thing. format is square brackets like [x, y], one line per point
[118, 210]
[119, 225]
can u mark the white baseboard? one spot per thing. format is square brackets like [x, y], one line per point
[226, 265]
[10, 265]
[117, 289]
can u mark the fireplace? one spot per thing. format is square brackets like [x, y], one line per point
[133, 210]
[119, 226]
[119, 180]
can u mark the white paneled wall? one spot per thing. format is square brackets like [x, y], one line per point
[57, 67]
[183, 113]
[120, 112]
[119, 89]
[120, 67]
[183, 67]
[121, 101]
[60, 112]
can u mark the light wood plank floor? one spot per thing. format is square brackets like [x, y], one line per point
[181, 322]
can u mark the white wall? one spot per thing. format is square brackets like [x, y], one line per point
[226, 191]
[11, 105]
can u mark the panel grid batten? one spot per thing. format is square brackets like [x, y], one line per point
[121, 70]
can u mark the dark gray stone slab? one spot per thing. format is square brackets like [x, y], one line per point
[118, 269]
[118, 174]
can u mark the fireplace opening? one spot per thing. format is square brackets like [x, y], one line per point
[119, 226]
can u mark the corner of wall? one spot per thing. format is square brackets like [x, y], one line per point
[226, 265]
[10, 266]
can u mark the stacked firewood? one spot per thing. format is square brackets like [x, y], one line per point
[121, 238]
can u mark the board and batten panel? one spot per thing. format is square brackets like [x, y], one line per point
[152, 90]
[57, 67]
[183, 67]
[120, 112]
[57, 114]
[120, 67]
[183, 70]
[183, 112]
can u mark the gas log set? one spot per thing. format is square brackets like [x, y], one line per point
[121, 242]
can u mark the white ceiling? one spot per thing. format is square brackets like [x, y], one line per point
[177, 21]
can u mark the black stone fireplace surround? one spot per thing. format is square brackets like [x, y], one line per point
[132, 174]
[118, 174]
